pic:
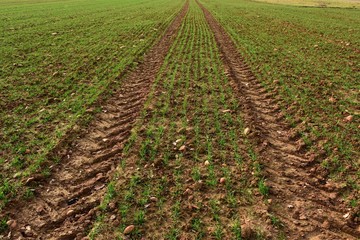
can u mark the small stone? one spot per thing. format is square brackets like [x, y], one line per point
[129, 229]
[153, 199]
[206, 163]
[269, 200]
[112, 205]
[182, 148]
[246, 131]
[222, 180]
[70, 212]
[177, 141]
[113, 217]
[290, 206]
[346, 215]
[27, 151]
[28, 232]
[348, 118]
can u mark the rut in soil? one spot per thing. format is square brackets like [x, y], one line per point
[307, 205]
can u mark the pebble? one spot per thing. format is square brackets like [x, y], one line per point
[222, 180]
[112, 206]
[348, 118]
[129, 229]
[246, 131]
[182, 148]
[153, 199]
[112, 217]
[70, 212]
[206, 163]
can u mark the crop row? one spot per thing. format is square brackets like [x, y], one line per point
[187, 168]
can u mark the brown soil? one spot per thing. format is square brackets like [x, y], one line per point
[307, 204]
[64, 206]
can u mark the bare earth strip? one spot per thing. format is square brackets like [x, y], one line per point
[305, 202]
[64, 205]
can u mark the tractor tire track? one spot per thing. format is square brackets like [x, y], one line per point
[308, 206]
[64, 206]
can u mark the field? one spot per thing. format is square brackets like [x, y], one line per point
[320, 3]
[209, 119]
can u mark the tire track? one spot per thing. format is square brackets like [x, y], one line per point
[308, 206]
[65, 206]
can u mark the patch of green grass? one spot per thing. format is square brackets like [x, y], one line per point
[308, 58]
[58, 63]
[263, 189]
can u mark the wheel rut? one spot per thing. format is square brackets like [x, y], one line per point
[64, 205]
[307, 204]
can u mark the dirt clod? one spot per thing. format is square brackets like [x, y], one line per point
[12, 224]
[246, 231]
[325, 224]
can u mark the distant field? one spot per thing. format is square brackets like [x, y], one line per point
[319, 3]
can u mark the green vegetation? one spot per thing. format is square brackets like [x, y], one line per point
[57, 59]
[317, 3]
[309, 58]
[185, 175]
